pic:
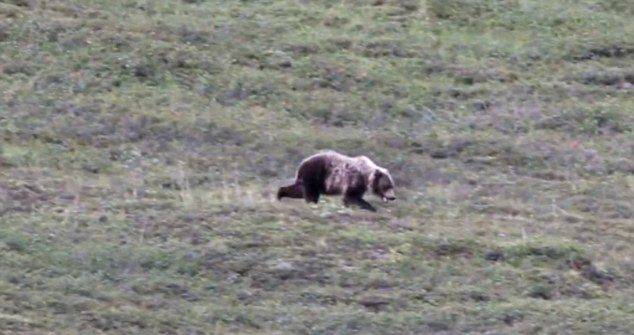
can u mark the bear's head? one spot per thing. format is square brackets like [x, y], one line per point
[383, 185]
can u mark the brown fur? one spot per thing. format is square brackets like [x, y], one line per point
[331, 173]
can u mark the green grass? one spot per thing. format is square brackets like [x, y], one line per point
[142, 142]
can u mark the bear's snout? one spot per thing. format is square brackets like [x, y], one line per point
[389, 196]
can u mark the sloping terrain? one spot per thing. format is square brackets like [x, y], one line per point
[142, 142]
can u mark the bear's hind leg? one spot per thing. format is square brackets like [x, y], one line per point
[291, 191]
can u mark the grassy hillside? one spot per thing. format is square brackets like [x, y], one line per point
[141, 144]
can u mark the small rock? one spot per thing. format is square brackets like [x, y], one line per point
[438, 325]
[232, 278]
[283, 270]
[493, 255]
[512, 317]
[481, 105]
[142, 71]
[192, 255]
[279, 59]
[190, 296]
[67, 196]
[597, 276]
[373, 302]
[478, 296]
[541, 291]
[243, 295]
[283, 266]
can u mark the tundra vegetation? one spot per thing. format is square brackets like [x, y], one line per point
[141, 143]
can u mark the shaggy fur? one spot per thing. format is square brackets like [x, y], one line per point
[332, 173]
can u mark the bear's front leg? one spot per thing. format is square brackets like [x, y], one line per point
[347, 201]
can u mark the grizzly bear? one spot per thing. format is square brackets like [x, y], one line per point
[332, 173]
